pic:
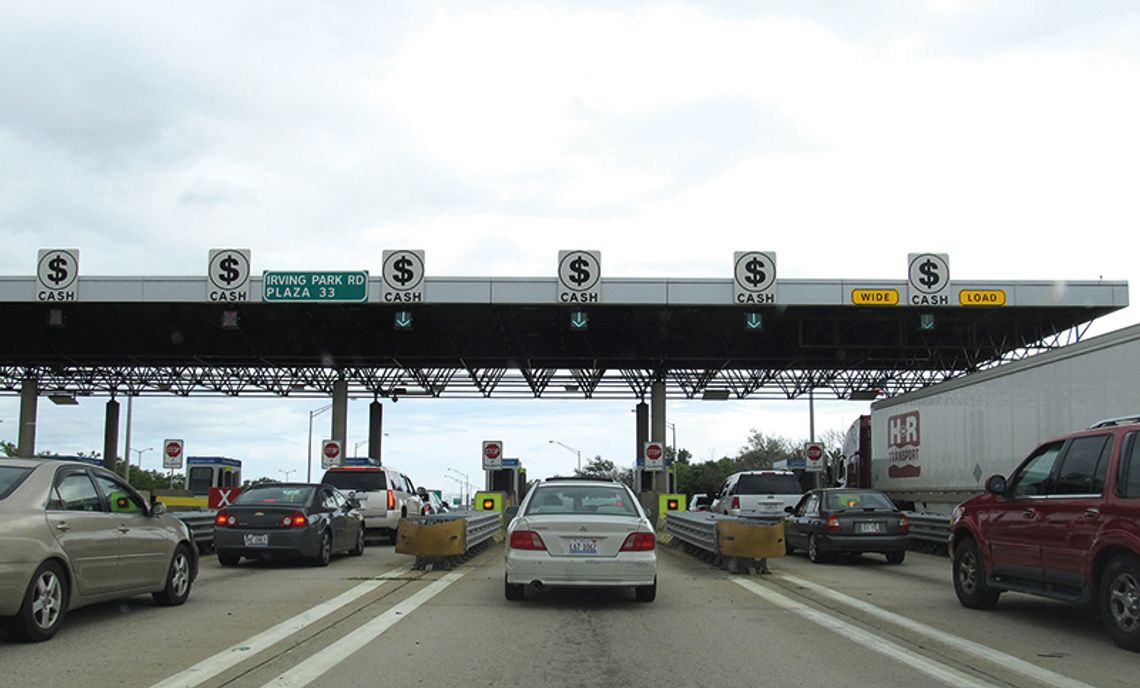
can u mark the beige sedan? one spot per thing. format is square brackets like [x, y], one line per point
[73, 534]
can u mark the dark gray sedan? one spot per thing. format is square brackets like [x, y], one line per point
[278, 520]
[848, 521]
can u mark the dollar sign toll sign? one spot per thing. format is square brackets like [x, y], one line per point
[402, 271]
[580, 269]
[755, 270]
[58, 268]
[229, 272]
[929, 274]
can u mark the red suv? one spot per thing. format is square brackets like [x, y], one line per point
[1065, 525]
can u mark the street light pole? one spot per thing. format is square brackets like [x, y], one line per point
[139, 453]
[287, 472]
[313, 414]
[466, 482]
[673, 427]
[569, 448]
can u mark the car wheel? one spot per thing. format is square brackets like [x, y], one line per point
[646, 593]
[45, 605]
[324, 554]
[970, 578]
[512, 591]
[896, 557]
[178, 579]
[814, 553]
[1119, 601]
[788, 549]
[395, 535]
[228, 559]
[359, 548]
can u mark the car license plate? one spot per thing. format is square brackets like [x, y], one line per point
[256, 540]
[583, 547]
[869, 527]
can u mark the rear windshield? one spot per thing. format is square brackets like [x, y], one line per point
[768, 483]
[581, 499]
[359, 481]
[10, 479]
[276, 494]
[837, 501]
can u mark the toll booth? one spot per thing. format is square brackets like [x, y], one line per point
[510, 480]
[204, 472]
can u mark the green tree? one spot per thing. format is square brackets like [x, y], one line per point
[8, 448]
[598, 467]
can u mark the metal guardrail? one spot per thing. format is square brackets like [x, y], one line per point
[201, 525]
[736, 543]
[929, 528]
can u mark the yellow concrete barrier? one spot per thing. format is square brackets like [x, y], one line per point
[443, 539]
[750, 540]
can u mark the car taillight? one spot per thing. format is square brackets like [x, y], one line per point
[904, 523]
[639, 542]
[294, 520]
[833, 522]
[736, 502]
[426, 509]
[391, 500]
[527, 539]
[225, 520]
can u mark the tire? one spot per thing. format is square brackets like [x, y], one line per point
[896, 557]
[324, 554]
[646, 593]
[44, 607]
[513, 591]
[358, 550]
[228, 559]
[788, 549]
[814, 553]
[970, 578]
[395, 537]
[178, 579]
[1118, 600]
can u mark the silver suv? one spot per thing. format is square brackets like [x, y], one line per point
[385, 494]
[758, 494]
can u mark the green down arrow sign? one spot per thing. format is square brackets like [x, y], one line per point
[754, 322]
[579, 320]
[403, 320]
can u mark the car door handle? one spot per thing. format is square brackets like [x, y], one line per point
[1029, 513]
[1092, 512]
[62, 525]
[124, 529]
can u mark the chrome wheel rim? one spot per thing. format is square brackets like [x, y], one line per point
[47, 600]
[813, 549]
[180, 575]
[968, 573]
[1124, 602]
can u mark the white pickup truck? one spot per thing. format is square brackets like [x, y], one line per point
[758, 494]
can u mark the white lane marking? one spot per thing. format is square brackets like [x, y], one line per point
[314, 667]
[935, 670]
[212, 666]
[1007, 662]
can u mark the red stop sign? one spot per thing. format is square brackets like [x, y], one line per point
[492, 450]
[815, 453]
[653, 452]
[331, 450]
[173, 449]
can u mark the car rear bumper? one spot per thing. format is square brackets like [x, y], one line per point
[863, 543]
[627, 569]
[304, 542]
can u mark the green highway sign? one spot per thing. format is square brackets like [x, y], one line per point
[403, 320]
[314, 286]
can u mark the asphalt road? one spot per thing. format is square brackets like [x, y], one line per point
[371, 620]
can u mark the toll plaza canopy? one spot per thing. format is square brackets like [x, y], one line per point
[515, 337]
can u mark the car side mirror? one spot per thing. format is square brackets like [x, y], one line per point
[996, 484]
[353, 503]
[158, 509]
[789, 509]
[511, 511]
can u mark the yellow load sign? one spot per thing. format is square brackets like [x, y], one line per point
[981, 297]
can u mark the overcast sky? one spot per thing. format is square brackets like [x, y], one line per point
[842, 136]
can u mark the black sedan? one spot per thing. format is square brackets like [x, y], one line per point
[288, 520]
[848, 521]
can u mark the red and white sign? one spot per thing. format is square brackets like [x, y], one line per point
[172, 454]
[330, 453]
[492, 455]
[221, 497]
[654, 454]
[813, 457]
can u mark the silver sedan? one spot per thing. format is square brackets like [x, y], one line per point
[75, 534]
[581, 533]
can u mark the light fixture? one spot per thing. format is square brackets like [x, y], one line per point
[64, 399]
[864, 394]
[715, 395]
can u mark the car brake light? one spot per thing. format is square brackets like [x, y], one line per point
[832, 522]
[736, 502]
[639, 542]
[904, 523]
[225, 520]
[527, 539]
[299, 520]
[391, 500]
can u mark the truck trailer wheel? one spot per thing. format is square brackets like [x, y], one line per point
[970, 578]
